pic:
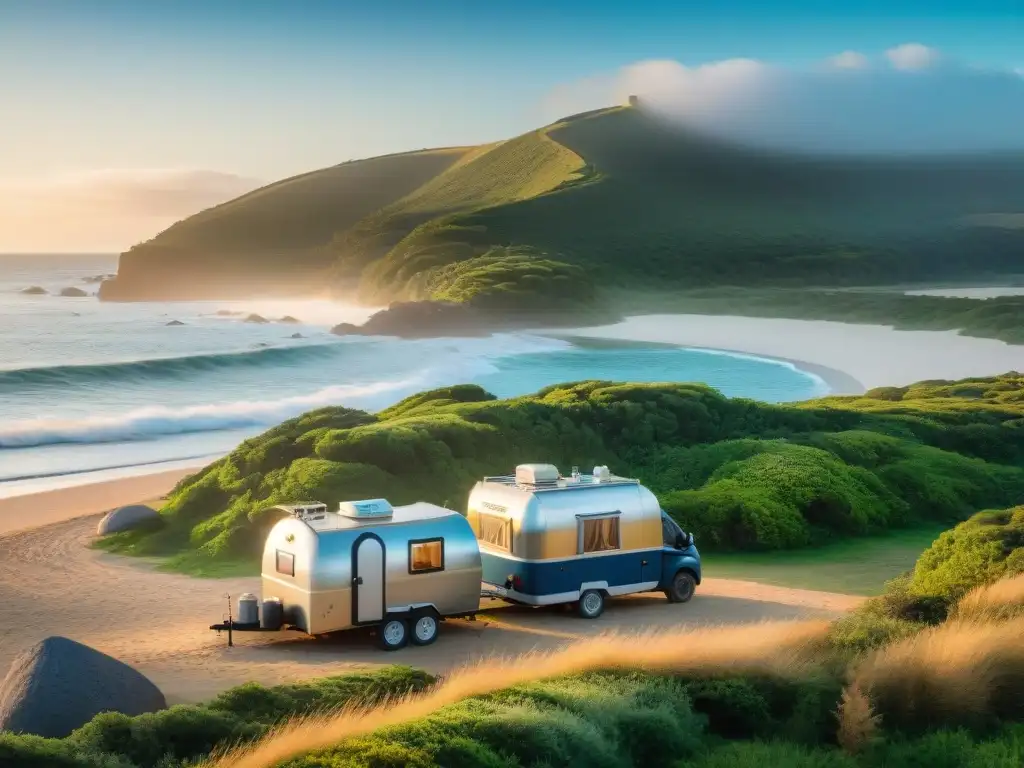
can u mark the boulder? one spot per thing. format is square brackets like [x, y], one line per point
[73, 292]
[59, 685]
[174, 322]
[289, 319]
[35, 290]
[296, 336]
[420, 319]
[227, 313]
[127, 518]
[254, 318]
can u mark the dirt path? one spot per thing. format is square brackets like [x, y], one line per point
[52, 583]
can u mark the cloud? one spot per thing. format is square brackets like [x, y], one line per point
[106, 210]
[915, 101]
[912, 57]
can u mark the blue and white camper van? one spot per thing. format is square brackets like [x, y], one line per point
[547, 539]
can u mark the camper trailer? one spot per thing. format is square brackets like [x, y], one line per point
[401, 569]
[547, 539]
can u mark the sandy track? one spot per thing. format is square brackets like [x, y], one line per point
[52, 583]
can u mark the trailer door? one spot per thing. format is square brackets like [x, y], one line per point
[368, 579]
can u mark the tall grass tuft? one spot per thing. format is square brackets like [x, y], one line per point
[787, 649]
[858, 722]
[959, 673]
[999, 601]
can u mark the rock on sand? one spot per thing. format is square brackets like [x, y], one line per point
[59, 685]
[73, 292]
[127, 518]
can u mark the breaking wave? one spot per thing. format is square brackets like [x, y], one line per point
[155, 421]
[163, 367]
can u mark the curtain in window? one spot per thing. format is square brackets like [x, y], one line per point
[426, 556]
[494, 531]
[600, 534]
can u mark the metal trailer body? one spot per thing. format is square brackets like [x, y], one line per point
[333, 571]
[532, 529]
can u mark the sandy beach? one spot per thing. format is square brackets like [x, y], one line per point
[848, 357]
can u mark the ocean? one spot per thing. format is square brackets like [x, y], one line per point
[92, 390]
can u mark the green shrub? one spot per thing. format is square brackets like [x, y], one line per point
[237, 715]
[606, 721]
[755, 754]
[739, 474]
[988, 546]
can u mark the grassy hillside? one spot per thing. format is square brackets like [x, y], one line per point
[742, 475]
[667, 206]
[275, 232]
[615, 199]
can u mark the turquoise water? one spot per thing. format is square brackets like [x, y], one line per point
[88, 386]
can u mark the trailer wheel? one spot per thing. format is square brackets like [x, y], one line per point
[393, 633]
[591, 604]
[682, 588]
[424, 628]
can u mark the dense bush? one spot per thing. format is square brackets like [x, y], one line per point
[740, 474]
[988, 546]
[237, 715]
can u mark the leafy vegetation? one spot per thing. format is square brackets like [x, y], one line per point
[741, 475]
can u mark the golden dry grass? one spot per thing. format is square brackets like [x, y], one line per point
[1003, 599]
[780, 648]
[858, 722]
[956, 673]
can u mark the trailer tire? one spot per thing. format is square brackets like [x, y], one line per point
[393, 633]
[682, 588]
[591, 604]
[424, 625]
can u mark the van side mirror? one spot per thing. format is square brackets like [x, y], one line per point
[680, 541]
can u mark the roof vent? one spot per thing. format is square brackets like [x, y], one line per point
[309, 510]
[602, 474]
[367, 509]
[537, 474]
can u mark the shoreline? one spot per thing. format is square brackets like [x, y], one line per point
[848, 359]
[838, 382]
[851, 358]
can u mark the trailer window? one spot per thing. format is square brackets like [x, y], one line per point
[494, 530]
[426, 555]
[599, 534]
[285, 563]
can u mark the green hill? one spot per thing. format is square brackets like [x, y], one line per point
[742, 475]
[608, 200]
[277, 233]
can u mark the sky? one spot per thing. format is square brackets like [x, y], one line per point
[118, 118]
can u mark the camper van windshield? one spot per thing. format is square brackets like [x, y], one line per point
[670, 531]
